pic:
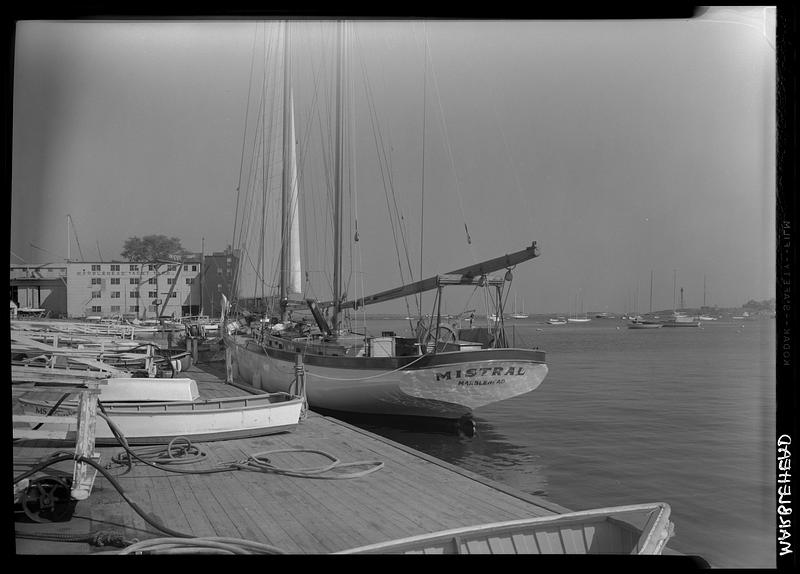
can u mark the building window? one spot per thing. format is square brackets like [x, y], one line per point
[97, 308]
[151, 267]
[115, 294]
[173, 294]
[133, 294]
[95, 268]
[172, 267]
[133, 281]
[115, 267]
[189, 280]
[115, 280]
[134, 308]
[134, 267]
[152, 294]
[115, 308]
[170, 280]
[194, 267]
[96, 281]
[96, 294]
[153, 281]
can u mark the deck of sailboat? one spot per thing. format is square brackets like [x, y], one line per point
[412, 494]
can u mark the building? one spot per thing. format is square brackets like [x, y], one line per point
[133, 290]
[219, 273]
[39, 286]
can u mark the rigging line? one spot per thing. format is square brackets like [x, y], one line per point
[302, 145]
[510, 155]
[269, 160]
[387, 161]
[244, 131]
[354, 190]
[450, 152]
[388, 205]
[17, 256]
[247, 215]
[75, 233]
[418, 298]
[383, 168]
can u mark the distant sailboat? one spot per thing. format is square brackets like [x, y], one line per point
[579, 318]
[519, 315]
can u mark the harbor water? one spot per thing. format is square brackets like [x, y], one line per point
[684, 416]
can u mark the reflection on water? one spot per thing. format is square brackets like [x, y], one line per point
[486, 452]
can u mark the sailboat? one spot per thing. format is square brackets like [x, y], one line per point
[576, 318]
[440, 372]
[519, 314]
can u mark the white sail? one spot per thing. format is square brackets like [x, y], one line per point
[295, 281]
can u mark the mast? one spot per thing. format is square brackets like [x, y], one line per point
[338, 180]
[704, 290]
[674, 284]
[651, 290]
[286, 182]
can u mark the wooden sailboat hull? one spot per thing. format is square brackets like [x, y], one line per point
[635, 529]
[442, 385]
[209, 420]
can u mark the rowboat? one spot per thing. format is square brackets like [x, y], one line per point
[634, 529]
[205, 420]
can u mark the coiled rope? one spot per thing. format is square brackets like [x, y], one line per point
[260, 463]
[200, 545]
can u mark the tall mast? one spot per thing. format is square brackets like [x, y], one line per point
[651, 290]
[286, 176]
[339, 180]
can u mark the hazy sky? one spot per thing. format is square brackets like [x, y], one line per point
[621, 147]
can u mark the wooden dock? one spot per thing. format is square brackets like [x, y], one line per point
[413, 493]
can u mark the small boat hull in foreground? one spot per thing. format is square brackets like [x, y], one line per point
[209, 420]
[636, 529]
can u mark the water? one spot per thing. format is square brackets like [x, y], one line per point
[684, 416]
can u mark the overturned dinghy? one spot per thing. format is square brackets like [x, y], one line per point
[635, 529]
[206, 420]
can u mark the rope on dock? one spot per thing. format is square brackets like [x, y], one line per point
[96, 538]
[200, 545]
[173, 454]
[260, 463]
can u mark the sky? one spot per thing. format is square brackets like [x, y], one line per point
[623, 148]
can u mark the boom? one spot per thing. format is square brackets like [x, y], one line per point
[467, 274]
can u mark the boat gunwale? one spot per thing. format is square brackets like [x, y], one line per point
[180, 407]
[656, 523]
[404, 362]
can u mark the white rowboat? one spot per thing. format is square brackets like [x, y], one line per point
[635, 529]
[207, 420]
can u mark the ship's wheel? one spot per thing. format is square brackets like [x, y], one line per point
[428, 336]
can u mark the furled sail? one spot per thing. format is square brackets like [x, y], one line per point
[294, 284]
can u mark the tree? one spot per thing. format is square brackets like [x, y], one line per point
[152, 247]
